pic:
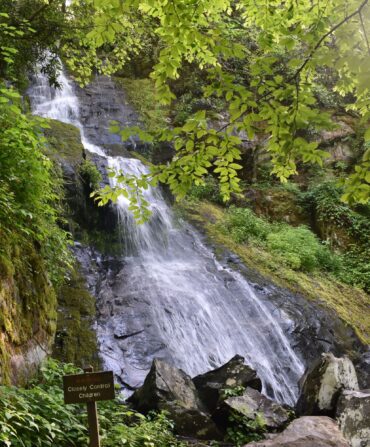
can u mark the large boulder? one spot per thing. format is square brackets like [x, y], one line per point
[353, 415]
[252, 405]
[307, 431]
[322, 384]
[170, 389]
[232, 374]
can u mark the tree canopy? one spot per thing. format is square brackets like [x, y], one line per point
[283, 50]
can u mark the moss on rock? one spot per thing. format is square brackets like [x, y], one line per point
[27, 308]
[75, 340]
[278, 204]
[64, 141]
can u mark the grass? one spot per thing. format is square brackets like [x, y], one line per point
[351, 304]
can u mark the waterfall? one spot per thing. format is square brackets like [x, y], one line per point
[172, 299]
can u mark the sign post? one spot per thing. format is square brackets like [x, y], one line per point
[92, 418]
[89, 388]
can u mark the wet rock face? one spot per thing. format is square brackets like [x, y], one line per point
[363, 370]
[323, 383]
[168, 388]
[312, 329]
[231, 375]
[101, 103]
[308, 431]
[353, 415]
[252, 405]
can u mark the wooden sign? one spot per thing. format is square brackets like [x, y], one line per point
[89, 387]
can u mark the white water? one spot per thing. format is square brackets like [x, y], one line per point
[59, 104]
[198, 313]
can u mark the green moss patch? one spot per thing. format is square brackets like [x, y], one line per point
[27, 301]
[141, 157]
[75, 340]
[351, 304]
[64, 141]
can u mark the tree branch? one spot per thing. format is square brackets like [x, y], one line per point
[364, 31]
[40, 10]
[309, 57]
[326, 35]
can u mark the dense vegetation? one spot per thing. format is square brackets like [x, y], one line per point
[267, 63]
[29, 195]
[298, 247]
[37, 416]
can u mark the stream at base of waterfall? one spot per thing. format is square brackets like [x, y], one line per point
[171, 298]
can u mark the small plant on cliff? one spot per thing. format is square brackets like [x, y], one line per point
[243, 430]
[90, 174]
[232, 392]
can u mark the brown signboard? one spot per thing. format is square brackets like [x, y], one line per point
[88, 387]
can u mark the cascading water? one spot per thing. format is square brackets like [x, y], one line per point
[59, 104]
[172, 295]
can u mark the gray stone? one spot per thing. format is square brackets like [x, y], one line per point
[363, 370]
[353, 415]
[307, 431]
[170, 389]
[323, 383]
[252, 404]
[232, 374]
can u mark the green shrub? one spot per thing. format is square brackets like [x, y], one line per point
[155, 430]
[298, 247]
[244, 225]
[243, 430]
[324, 200]
[209, 191]
[328, 260]
[90, 174]
[37, 416]
[355, 267]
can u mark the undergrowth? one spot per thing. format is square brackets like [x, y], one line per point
[297, 247]
[344, 250]
[243, 430]
[37, 417]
